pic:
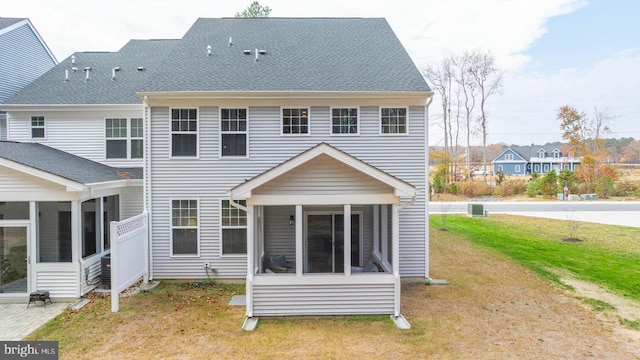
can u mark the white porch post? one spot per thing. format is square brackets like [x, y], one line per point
[347, 239]
[250, 258]
[395, 265]
[299, 253]
[376, 228]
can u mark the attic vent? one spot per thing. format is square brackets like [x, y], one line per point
[262, 52]
[73, 59]
[247, 52]
[114, 71]
[230, 41]
[140, 68]
[87, 70]
[66, 75]
[208, 50]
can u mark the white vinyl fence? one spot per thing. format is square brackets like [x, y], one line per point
[129, 255]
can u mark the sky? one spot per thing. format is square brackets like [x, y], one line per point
[582, 53]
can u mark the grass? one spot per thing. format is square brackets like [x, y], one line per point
[608, 255]
[494, 308]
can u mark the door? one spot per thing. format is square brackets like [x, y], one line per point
[14, 259]
[324, 242]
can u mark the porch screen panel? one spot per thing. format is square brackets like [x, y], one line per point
[54, 232]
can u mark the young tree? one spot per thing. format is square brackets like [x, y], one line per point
[441, 78]
[255, 10]
[489, 81]
[469, 91]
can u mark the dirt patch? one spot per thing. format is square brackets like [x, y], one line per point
[572, 240]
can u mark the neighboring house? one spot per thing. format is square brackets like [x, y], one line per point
[24, 56]
[525, 160]
[271, 144]
[74, 157]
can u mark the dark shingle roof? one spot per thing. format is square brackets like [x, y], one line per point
[302, 54]
[63, 164]
[51, 88]
[5, 22]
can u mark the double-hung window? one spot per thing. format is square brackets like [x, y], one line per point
[508, 157]
[37, 127]
[393, 120]
[295, 121]
[233, 132]
[234, 229]
[184, 132]
[344, 121]
[124, 138]
[184, 227]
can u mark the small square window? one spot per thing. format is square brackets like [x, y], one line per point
[295, 121]
[344, 121]
[393, 120]
[37, 127]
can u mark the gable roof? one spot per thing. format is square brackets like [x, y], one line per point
[6, 22]
[401, 188]
[62, 164]
[101, 88]
[302, 54]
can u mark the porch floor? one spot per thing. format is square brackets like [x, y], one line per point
[16, 321]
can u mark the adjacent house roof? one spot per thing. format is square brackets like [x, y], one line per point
[102, 87]
[63, 164]
[300, 54]
[6, 22]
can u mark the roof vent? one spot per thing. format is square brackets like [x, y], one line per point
[208, 50]
[247, 52]
[66, 75]
[87, 70]
[257, 55]
[140, 68]
[262, 52]
[230, 41]
[114, 71]
[74, 69]
[73, 59]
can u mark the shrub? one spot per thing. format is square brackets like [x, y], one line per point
[627, 188]
[534, 186]
[604, 186]
[453, 189]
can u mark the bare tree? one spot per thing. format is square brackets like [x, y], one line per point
[441, 78]
[489, 82]
[469, 90]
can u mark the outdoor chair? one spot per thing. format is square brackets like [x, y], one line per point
[278, 264]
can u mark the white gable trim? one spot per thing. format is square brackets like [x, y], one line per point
[245, 189]
[69, 184]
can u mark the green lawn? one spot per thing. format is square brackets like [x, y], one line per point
[607, 255]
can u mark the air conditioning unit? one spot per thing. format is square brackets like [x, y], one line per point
[105, 271]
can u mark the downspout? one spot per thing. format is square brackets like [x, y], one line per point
[428, 187]
[146, 184]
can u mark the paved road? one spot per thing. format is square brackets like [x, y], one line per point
[625, 213]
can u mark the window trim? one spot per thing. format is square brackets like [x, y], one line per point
[508, 157]
[131, 137]
[171, 227]
[128, 138]
[220, 133]
[222, 227]
[43, 127]
[196, 133]
[406, 121]
[308, 108]
[331, 133]
[516, 168]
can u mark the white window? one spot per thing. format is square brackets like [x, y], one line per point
[234, 228]
[556, 154]
[295, 121]
[37, 127]
[184, 227]
[500, 168]
[536, 168]
[233, 132]
[184, 132]
[517, 169]
[546, 167]
[124, 138]
[541, 154]
[508, 157]
[393, 121]
[344, 121]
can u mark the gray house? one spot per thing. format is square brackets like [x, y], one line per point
[24, 56]
[525, 160]
[287, 152]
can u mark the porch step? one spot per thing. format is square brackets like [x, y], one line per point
[437, 282]
[401, 322]
[250, 324]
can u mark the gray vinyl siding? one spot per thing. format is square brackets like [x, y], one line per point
[323, 299]
[208, 177]
[61, 284]
[23, 58]
[81, 133]
[131, 202]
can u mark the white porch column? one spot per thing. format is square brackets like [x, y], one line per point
[250, 258]
[347, 239]
[395, 265]
[376, 228]
[299, 254]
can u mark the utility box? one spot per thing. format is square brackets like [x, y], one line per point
[588, 197]
[475, 210]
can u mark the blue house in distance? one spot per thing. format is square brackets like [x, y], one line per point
[526, 160]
